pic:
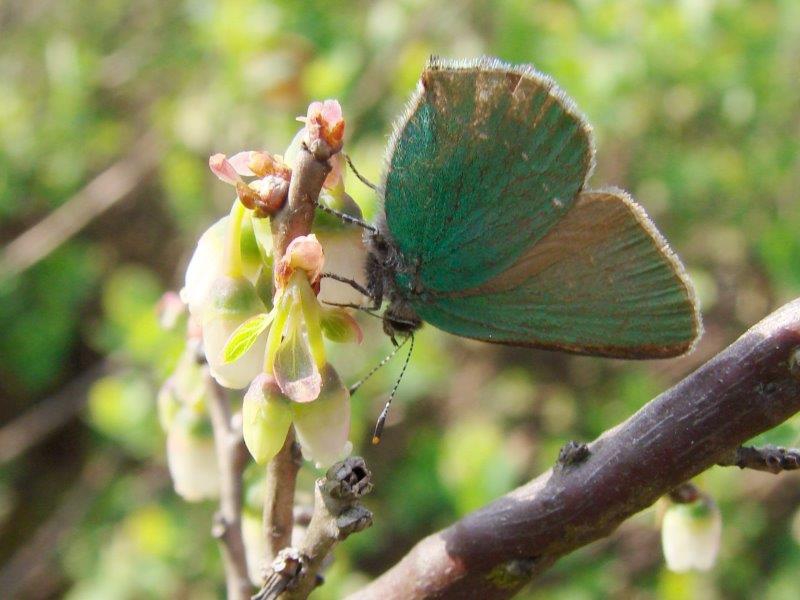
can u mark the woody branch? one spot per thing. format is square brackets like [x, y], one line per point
[750, 387]
[294, 219]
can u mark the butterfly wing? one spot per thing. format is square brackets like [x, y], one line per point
[602, 281]
[487, 158]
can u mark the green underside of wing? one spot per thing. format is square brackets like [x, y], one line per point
[487, 161]
[602, 282]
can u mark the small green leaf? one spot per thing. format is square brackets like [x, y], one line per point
[339, 326]
[245, 336]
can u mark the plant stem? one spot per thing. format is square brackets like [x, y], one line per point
[232, 458]
[293, 220]
[279, 496]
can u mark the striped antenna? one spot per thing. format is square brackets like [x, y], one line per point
[360, 382]
[376, 436]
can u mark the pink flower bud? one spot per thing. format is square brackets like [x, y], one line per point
[305, 252]
[271, 192]
[223, 169]
[241, 162]
[324, 122]
[170, 309]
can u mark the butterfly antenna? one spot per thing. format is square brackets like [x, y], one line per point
[379, 425]
[345, 218]
[387, 358]
[361, 178]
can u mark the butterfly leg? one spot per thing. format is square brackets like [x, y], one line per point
[351, 282]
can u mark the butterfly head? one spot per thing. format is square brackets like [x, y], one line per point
[382, 267]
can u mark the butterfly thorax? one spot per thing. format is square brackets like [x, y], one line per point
[384, 263]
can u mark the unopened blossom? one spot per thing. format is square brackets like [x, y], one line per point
[208, 261]
[192, 458]
[322, 426]
[232, 301]
[295, 348]
[264, 195]
[324, 124]
[690, 535]
[297, 384]
[183, 414]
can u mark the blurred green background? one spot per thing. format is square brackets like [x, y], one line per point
[696, 108]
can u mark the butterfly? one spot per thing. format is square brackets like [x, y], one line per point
[489, 231]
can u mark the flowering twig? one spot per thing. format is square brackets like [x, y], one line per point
[337, 514]
[294, 219]
[748, 388]
[772, 459]
[232, 458]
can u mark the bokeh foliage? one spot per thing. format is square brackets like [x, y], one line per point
[696, 109]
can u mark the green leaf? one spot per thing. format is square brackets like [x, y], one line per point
[339, 326]
[245, 336]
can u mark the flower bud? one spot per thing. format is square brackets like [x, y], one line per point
[206, 263]
[170, 309]
[192, 458]
[322, 426]
[168, 404]
[271, 194]
[325, 124]
[305, 252]
[231, 302]
[266, 418]
[690, 535]
[223, 169]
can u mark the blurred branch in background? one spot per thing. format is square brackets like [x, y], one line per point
[27, 430]
[748, 388]
[29, 565]
[232, 456]
[101, 193]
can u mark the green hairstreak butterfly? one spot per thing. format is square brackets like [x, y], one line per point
[489, 231]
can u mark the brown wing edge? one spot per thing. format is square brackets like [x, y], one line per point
[486, 64]
[645, 351]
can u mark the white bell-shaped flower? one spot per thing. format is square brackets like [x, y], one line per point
[207, 262]
[232, 300]
[192, 457]
[322, 426]
[690, 535]
[266, 418]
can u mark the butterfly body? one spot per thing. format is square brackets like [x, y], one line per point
[489, 230]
